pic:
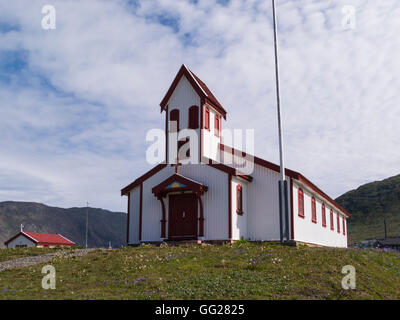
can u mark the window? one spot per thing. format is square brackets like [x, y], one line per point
[323, 213]
[301, 203]
[174, 116]
[216, 125]
[331, 214]
[194, 117]
[344, 224]
[338, 222]
[207, 118]
[313, 210]
[239, 199]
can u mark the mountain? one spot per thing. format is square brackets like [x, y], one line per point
[104, 226]
[368, 205]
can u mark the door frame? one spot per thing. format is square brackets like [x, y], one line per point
[180, 238]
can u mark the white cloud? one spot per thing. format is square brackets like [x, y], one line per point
[110, 65]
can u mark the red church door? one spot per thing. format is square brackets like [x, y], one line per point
[182, 222]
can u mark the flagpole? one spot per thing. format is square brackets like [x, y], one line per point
[283, 209]
[87, 223]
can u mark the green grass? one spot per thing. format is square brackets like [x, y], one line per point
[244, 271]
[374, 228]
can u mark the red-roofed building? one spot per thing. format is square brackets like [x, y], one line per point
[42, 240]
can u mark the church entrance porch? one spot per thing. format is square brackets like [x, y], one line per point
[182, 217]
[185, 207]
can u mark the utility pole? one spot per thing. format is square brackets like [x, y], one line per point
[87, 222]
[283, 194]
[384, 223]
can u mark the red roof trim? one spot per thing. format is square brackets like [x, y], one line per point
[142, 178]
[199, 86]
[191, 185]
[17, 235]
[159, 167]
[312, 186]
[261, 162]
[290, 173]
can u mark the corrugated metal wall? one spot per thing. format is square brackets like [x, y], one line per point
[263, 204]
[182, 99]
[307, 231]
[151, 207]
[215, 200]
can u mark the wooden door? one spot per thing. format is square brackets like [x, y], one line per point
[182, 221]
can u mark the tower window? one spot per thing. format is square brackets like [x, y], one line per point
[207, 118]
[194, 117]
[338, 223]
[301, 203]
[217, 125]
[331, 214]
[174, 116]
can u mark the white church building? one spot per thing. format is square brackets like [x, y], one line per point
[216, 197]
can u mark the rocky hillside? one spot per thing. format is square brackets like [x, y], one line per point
[104, 226]
[369, 205]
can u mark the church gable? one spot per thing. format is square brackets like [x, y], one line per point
[203, 92]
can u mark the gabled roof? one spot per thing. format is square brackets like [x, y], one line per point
[178, 182]
[290, 173]
[44, 238]
[159, 167]
[199, 86]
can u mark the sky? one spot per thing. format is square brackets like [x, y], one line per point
[77, 101]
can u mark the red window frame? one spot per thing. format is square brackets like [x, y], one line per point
[331, 216]
[174, 116]
[313, 210]
[217, 123]
[206, 118]
[344, 226]
[338, 222]
[323, 213]
[194, 117]
[301, 203]
[239, 199]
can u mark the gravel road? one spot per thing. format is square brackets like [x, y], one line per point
[32, 260]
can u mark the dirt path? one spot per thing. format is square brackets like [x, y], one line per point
[32, 260]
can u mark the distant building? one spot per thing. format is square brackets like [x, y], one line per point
[389, 243]
[41, 240]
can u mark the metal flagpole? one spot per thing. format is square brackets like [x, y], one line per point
[87, 222]
[283, 208]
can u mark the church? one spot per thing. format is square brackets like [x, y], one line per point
[208, 191]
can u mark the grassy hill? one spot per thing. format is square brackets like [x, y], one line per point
[104, 226]
[234, 271]
[369, 204]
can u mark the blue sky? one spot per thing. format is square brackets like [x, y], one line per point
[76, 102]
